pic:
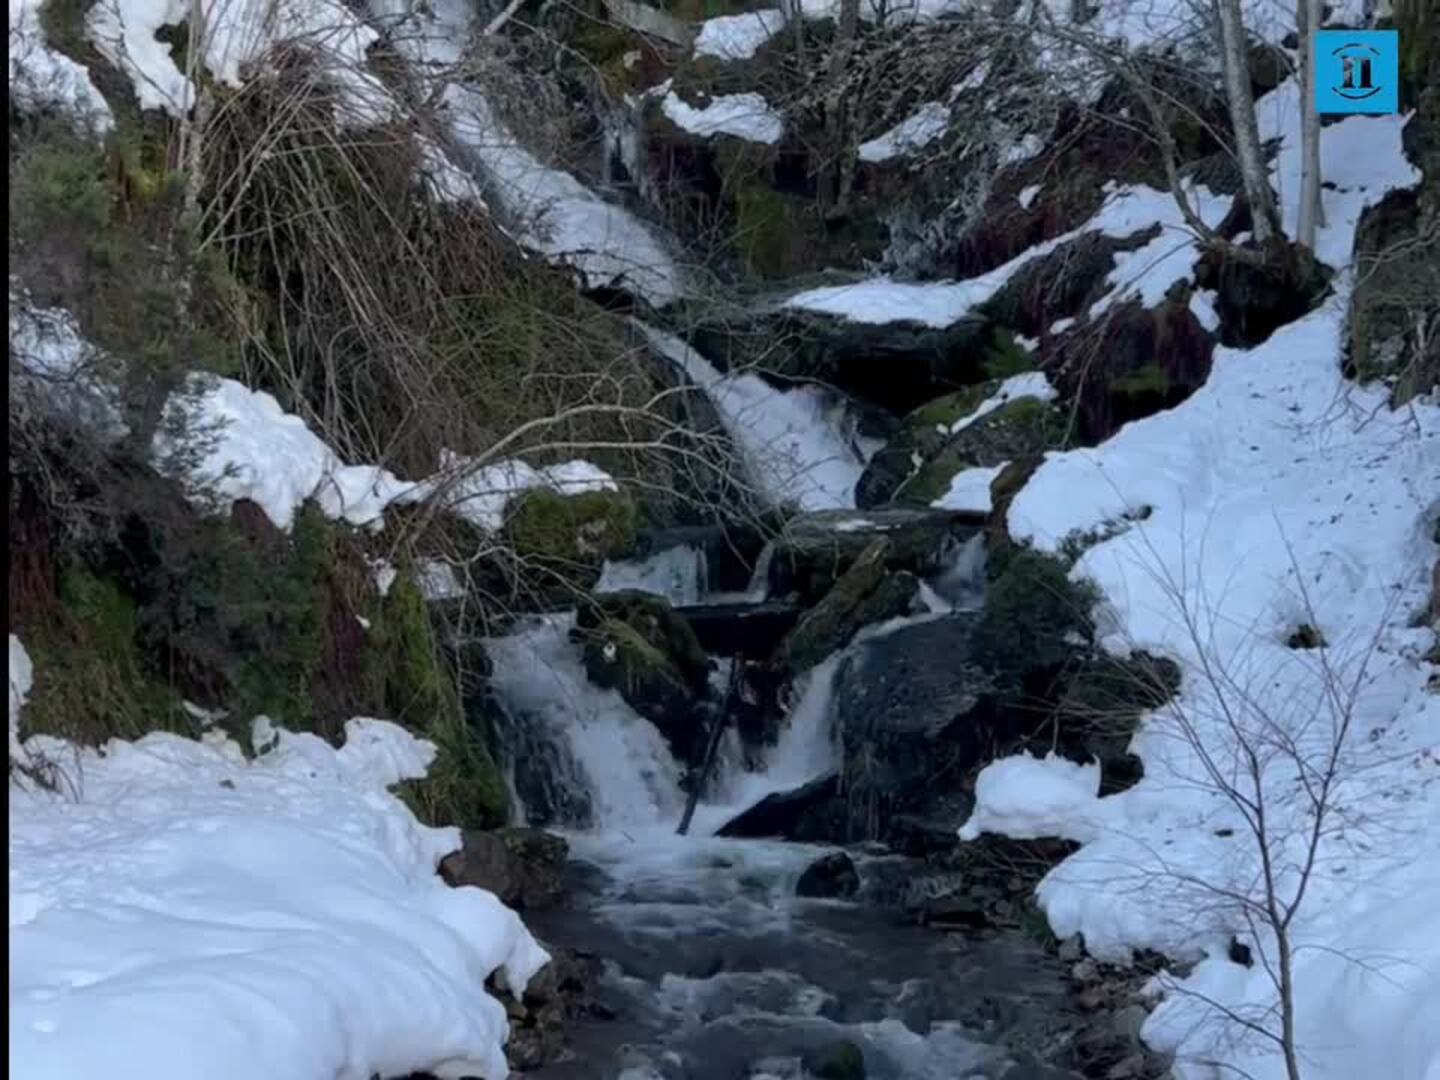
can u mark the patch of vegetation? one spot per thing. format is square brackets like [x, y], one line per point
[579, 530]
[1002, 356]
[1035, 616]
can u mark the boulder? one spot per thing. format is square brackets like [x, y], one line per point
[636, 644]
[540, 1021]
[865, 594]
[817, 548]
[524, 867]
[915, 713]
[1129, 363]
[839, 1060]
[560, 542]
[785, 814]
[830, 877]
[897, 365]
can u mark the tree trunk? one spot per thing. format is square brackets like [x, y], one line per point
[1307, 21]
[1266, 223]
[836, 144]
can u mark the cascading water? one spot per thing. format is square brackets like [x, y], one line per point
[715, 969]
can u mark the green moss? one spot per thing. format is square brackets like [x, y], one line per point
[463, 786]
[1018, 429]
[579, 529]
[90, 686]
[948, 409]
[1002, 356]
[768, 232]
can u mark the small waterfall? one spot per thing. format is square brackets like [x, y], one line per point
[632, 779]
[680, 574]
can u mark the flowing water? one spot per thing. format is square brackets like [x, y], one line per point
[713, 968]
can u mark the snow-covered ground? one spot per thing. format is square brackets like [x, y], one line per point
[1277, 496]
[916, 131]
[42, 78]
[177, 911]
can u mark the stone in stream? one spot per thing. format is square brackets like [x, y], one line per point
[830, 877]
[523, 867]
[752, 630]
[785, 813]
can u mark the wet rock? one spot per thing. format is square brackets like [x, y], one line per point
[865, 594]
[817, 548]
[635, 643]
[561, 539]
[1062, 284]
[830, 877]
[784, 813]
[524, 867]
[840, 1060]
[560, 993]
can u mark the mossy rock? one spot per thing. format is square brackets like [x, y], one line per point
[866, 593]
[636, 644]
[840, 1060]
[1021, 428]
[923, 434]
[563, 539]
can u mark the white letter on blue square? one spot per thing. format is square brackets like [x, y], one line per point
[1357, 71]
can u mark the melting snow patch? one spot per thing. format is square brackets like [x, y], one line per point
[480, 493]
[970, 489]
[745, 116]
[185, 912]
[1029, 798]
[916, 131]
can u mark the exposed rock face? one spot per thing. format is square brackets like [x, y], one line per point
[865, 594]
[523, 867]
[830, 877]
[560, 993]
[790, 815]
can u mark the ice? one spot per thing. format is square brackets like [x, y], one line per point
[179, 911]
[745, 116]
[915, 132]
[679, 574]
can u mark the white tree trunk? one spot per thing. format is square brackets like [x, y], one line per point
[1242, 117]
[1307, 21]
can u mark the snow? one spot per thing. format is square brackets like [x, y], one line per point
[237, 35]
[1027, 194]
[916, 131]
[21, 679]
[480, 493]
[738, 37]
[939, 304]
[1028, 384]
[798, 445]
[679, 574]
[42, 79]
[1023, 149]
[745, 116]
[251, 448]
[446, 181]
[1277, 494]
[180, 911]
[1030, 798]
[55, 362]
[970, 489]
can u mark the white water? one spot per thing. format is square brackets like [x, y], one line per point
[680, 574]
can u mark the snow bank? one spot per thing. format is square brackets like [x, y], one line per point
[798, 445]
[188, 913]
[251, 448]
[970, 489]
[237, 34]
[745, 116]
[916, 131]
[42, 79]
[480, 493]
[738, 37]
[1030, 798]
[1277, 494]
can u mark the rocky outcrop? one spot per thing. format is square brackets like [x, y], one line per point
[560, 542]
[803, 813]
[524, 867]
